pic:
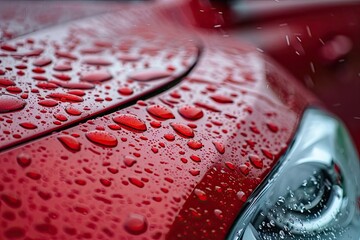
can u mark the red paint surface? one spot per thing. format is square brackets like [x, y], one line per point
[182, 169]
[48, 91]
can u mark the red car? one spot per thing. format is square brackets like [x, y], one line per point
[155, 120]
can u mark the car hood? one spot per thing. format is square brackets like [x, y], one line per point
[159, 162]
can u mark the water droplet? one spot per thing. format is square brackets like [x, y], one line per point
[103, 43]
[60, 117]
[6, 82]
[244, 169]
[129, 58]
[125, 91]
[183, 130]
[221, 98]
[35, 70]
[113, 170]
[20, 73]
[218, 213]
[8, 47]
[102, 138]
[62, 67]
[194, 144]
[272, 127]
[13, 89]
[131, 121]
[97, 62]
[33, 175]
[65, 97]
[200, 194]
[136, 182]
[80, 182]
[73, 111]
[105, 182]
[16, 135]
[103, 199]
[65, 55]
[70, 143]
[157, 199]
[62, 77]
[9, 103]
[42, 62]
[155, 124]
[150, 75]
[194, 213]
[47, 85]
[170, 137]
[11, 201]
[256, 161]
[194, 172]
[44, 195]
[74, 85]
[21, 66]
[81, 210]
[40, 78]
[96, 76]
[207, 107]
[48, 103]
[268, 154]
[175, 94]
[195, 158]
[191, 112]
[34, 53]
[114, 127]
[136, 224]
[254, 129]
[28, 125]
[23, 160]
[230, 165]
[77, 92]
[91, 50]
[154, 150]
[241, 196]
[129, 161]
[219, 147]
[160, 111]
[39, 70]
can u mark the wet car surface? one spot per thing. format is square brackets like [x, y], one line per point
[162, 131]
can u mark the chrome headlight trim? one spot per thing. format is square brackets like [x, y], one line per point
[313, 191]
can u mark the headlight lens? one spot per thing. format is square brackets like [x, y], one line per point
[314, 191]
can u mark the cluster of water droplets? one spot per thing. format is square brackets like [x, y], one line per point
[182, 163]
[55, 78]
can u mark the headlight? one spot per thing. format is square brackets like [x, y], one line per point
[314, 191]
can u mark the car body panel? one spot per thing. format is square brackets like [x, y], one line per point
[51, 78]
[315, 40]
[98, 190]
[177, 164]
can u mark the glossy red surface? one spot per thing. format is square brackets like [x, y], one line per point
[177, 165]
[92, 71]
